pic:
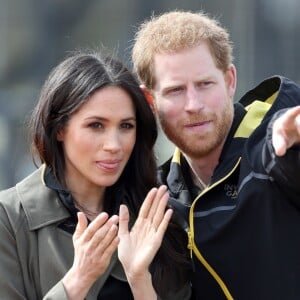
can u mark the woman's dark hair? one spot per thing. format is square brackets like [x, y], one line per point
[67, 88]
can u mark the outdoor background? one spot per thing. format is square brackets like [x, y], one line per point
[36, 35]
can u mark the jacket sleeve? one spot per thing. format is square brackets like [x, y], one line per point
[11, 279]
[284, 169]
[16, 283]
[58, 292]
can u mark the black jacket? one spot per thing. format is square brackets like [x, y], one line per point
[244, 228]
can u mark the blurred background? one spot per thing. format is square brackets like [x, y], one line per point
[36, 35]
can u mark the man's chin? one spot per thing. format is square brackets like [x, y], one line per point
[196, 150]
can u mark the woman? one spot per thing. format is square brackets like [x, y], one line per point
[94, 133]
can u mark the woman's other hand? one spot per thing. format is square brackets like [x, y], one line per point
[94, 245]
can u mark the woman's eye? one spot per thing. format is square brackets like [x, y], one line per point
[127, 125]
[96, 125]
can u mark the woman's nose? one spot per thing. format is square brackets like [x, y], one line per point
[111, 142]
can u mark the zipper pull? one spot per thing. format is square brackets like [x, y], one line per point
[190, 242]
[190, 246]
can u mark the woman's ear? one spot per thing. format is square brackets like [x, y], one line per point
[149, 97]
[60, 135]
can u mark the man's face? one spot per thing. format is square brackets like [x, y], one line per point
[193, 99]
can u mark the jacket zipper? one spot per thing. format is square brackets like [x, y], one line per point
[191, 244]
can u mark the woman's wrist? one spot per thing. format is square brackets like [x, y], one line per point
[142, 287]
[75, 286]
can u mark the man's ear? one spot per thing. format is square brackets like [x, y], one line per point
[149, 97]
[231, 80]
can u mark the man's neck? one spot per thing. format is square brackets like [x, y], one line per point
[202, 168]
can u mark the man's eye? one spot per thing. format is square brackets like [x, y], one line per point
[175, 90]
[206, 83]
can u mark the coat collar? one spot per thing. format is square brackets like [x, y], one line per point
[42, 205]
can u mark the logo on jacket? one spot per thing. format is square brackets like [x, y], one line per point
[231, 191]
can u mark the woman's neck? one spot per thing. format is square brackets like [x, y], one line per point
[91, 213]
[87, 198]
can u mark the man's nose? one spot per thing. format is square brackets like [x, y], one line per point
[193, 100]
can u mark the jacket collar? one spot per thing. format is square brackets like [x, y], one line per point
[179, 167]
[42, 205]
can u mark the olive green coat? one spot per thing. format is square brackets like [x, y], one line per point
[34, 253]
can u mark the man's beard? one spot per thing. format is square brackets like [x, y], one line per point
[199, 146]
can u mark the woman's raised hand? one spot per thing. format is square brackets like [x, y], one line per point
[138, 246]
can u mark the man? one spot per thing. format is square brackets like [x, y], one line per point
[234, 178]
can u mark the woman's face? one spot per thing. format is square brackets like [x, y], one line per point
[98, 139]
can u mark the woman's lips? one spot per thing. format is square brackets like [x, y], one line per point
[108, 165]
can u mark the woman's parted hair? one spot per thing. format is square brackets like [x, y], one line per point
[175, 31]
[67, 88]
